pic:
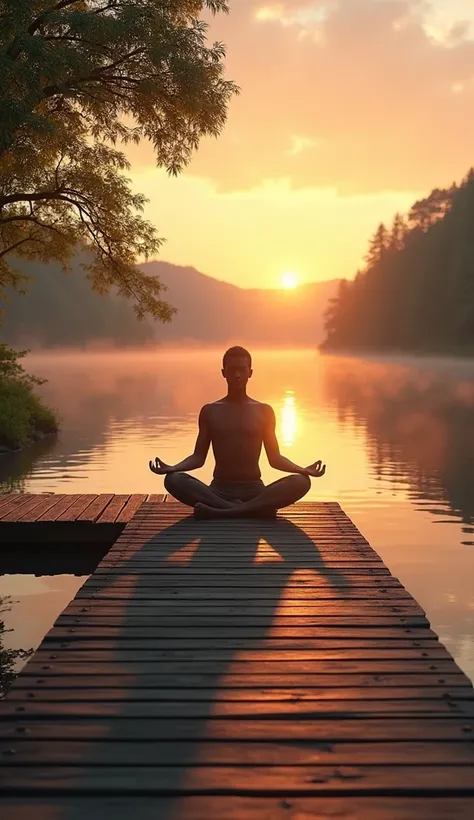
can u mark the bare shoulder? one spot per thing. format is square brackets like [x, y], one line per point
[205, 411]
[266, 409]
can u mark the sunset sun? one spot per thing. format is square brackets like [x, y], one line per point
[289, 280]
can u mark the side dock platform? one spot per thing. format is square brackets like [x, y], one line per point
[239, 670]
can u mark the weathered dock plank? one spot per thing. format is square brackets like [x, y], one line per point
[253, 670]
[15, 503]
[65, 519]
[247, 807]
[93, 511]
[113, 509]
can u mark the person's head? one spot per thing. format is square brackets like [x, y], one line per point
[237, 367]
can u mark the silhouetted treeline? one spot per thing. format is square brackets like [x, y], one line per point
[416, 292]
[62, 309]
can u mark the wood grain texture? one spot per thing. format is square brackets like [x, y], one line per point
[237, 670]
[94, 510]
[211, 807]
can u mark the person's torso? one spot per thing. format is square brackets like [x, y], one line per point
[237, 431]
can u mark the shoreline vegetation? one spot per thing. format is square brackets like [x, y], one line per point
[415, 295]
[24, 418]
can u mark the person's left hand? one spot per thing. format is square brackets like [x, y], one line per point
[316, 470]
[160, 467]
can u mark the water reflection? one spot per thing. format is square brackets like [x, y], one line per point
[288, 422]
[418, 418]
[397, 436]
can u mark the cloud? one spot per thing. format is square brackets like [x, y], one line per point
[361, 96]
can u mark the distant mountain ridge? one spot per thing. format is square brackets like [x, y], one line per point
[62, 310]
[210, 310]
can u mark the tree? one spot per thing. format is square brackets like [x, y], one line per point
[76, 78]
[417, 291]
[377, 246]
[398, 233]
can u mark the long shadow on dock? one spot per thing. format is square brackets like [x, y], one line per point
[166, 594]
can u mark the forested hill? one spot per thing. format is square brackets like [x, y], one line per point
[416, 292]
[61, 309]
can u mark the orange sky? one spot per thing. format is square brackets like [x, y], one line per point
[349, 110]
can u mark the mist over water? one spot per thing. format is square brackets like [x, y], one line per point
[397, 435]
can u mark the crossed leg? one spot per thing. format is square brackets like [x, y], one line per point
[191, 491]
[207, 504]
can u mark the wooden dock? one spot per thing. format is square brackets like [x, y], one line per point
[51, 518]
[239, 670]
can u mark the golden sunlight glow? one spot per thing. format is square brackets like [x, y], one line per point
[265, 553]
[288, 420]
[184, 555]
[289, 280]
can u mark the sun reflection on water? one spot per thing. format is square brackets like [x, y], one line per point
[289, 421]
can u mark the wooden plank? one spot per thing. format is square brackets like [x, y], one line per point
[113, 509]
[391, 595]
[99, 651]
[51, 690]
[175, 530]
[76, 608]
[307, 710]
[308, 586]
[184, 577]
[6, 497]
[258, 608]
[44, 504]
[273, 573]
[167, 532]
[68, 627]
[254, 595]
[77, 508]
[116, 664]
[94, 510]
[86, 678]
[60, 506]
[218, 807]
[17, 512]
[330, 566]
[141, 650]
[155, 498]
[179, 753]
[15, 503]
[384, 729]
[85, 638]
[117, 780]
[131, 507]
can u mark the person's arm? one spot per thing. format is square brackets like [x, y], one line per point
[275, 458]
[198, 457]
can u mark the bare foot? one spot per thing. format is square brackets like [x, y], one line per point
[202, 511]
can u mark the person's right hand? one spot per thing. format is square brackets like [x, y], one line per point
[160, 467]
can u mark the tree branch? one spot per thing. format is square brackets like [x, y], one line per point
[15, 48]
[9, 199]
[14, 246]
[97, 74]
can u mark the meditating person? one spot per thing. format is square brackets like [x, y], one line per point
[236, 426]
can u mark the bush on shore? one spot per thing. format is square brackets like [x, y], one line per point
[9, 658]
[23, 417]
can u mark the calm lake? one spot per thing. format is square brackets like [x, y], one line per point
[397, 436]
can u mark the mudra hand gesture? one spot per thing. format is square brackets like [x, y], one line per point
[160, 467]
[315, 470]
